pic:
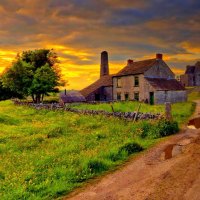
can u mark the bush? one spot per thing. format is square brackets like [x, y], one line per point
[167, 127]
[130, 148]
[159, 129]
[145, 129]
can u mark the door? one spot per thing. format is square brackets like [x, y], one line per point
[126, 96]
[97, 97]
[151, 98]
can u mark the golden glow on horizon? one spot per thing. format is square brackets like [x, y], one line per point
[80, 76]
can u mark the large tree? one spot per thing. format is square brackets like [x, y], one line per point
[34, 73]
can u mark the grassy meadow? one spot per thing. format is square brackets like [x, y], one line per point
[46, 154]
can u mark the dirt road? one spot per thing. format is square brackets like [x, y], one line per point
[170, 170]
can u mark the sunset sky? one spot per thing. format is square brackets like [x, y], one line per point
[78, 30]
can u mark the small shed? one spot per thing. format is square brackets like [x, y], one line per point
[71, 97]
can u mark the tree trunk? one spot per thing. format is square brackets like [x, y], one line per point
[38, 97]
[33, 98]
[42, 97]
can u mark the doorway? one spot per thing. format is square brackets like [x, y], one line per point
[97, 97]
[151, 98]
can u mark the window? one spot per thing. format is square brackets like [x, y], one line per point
[119, 82]
[119, 96]
[126, 96]
[136, 81]
[136, 96]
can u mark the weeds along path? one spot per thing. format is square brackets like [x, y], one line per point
[170, 170]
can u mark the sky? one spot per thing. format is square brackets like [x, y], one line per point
[79, 30]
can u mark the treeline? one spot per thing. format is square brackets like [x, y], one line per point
[33, 73]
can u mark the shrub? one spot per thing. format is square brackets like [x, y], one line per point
[130, 148]
[159, 129]
[150, 130]
[167, 127]
[145, 129]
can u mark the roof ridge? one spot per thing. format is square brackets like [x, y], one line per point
[138, 67]
[144, 60]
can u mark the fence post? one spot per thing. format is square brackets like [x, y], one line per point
[136, 114]
[168, 111]
[112, 108]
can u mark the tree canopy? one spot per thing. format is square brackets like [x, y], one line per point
[34, 73]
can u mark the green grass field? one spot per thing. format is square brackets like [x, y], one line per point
[46, 154]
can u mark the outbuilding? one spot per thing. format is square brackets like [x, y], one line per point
[71, 97]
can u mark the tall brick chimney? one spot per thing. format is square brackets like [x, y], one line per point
[159, 56]
[104, 70]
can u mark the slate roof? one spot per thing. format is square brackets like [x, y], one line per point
[102, 82]
[165, 84]
[138, 67]
[72, 96]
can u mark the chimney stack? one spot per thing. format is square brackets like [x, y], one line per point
[104, 64]
[129, 62]
[159, 56]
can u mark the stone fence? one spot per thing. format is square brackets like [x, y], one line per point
[130, 116]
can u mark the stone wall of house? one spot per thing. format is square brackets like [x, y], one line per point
[184, 80]
[144, 89]
[188, 80]
[159, 70]
[197, 79]
[108, 92]
[160, 97]
[127, 87]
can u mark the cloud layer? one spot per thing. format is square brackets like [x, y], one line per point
[79, 30]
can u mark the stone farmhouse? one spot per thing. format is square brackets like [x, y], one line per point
[191, 76]
[150, 81]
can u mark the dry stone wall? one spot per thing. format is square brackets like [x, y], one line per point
[130, 116]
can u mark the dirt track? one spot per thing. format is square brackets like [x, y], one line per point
[152, 176]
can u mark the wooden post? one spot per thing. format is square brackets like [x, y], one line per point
[112, 108]
[135, 118]
[168, 111]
